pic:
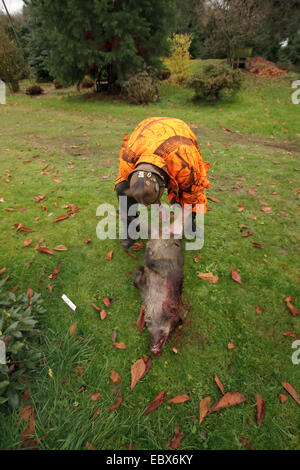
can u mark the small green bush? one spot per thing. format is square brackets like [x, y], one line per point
[34, 90]
[87, 83]
[141, 88]
[19, 355]
[216, 81]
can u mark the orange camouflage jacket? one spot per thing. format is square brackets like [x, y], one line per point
[169, 144]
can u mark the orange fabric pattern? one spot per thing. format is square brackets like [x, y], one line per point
[169, 144]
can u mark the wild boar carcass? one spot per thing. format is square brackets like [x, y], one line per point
[160, 283]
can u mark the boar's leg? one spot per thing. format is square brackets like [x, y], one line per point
[139, 278]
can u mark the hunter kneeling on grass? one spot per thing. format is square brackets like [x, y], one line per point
[161, 153]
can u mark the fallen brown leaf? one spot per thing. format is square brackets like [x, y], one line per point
[267, 210]
[219, 384]
[27, 242]
[106, 301]
[229, 399]
[95, 396]
[141, 319]
[96, 413]
[290, 389]
[120, 345]
[60, 248]
[282, 397]
[43, 249]
[210, 277]
[235, 275]
[214, 199]
[114, 377]
[61, 217]
[203, 408]
[179, 399]
[103, 314]
[158, 400]
[139, 369]
[176, 441]
[257, 245]
[260, 408]
[29, 293]
[294, 311]
[109, 255]
[247, 234]
[90, 446]
[73, 328]
[117, 404]
[96, 307]
[54, 273]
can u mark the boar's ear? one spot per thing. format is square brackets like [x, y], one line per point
[159, 266]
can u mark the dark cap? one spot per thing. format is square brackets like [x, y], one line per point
[146, 184]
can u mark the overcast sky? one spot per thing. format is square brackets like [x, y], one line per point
[13, 6]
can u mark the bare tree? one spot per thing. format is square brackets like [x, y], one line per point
[231, 24]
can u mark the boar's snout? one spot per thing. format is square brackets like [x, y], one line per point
[159, 335]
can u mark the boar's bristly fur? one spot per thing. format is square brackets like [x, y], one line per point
[160, 283]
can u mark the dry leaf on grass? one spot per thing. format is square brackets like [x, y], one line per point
[73, 328]
[210, 277]
[139, 369]
[120, 345]
[290, 389]
[294, 311]
[109, 255]
[106, 301]
[282, 397]
[54, 273]
[158, 400]
[95, 396]
[247, 234]
[29, 293]
[257, 245]
[260, 408]
[60, 248]
[61, 217]
[117, 404]
[176, 441]
[96, 413]
[141, 319]
[114, 377]
[203, 408]
[219, 384]
[44, 249]
[214, 199]
[27, 242]
[179, 399]
[235, 275]
[229, 399]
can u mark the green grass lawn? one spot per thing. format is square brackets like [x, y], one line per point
[38, 137]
